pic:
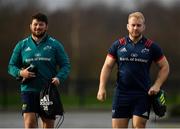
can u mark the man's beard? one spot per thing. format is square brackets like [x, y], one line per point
[39, 35]
[136, 36]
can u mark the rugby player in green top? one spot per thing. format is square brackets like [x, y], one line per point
[47, 56]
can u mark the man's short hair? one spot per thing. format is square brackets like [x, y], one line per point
[40, 17]
[137, 15]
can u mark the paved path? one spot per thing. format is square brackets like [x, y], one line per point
[77, 119]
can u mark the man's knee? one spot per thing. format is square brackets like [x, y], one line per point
[120, 123]
[47, 123]
[139, 122]
[30, 120]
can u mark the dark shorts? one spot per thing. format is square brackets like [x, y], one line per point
[31, 103]
[125, 106]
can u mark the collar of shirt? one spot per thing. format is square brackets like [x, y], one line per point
[131, 42]
[44, 38]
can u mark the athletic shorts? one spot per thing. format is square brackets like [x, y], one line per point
[125, 106]
[31, 103]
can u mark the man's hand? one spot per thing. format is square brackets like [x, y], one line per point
[101, 96]
[55, 81]
[154, 90]
[26, 74]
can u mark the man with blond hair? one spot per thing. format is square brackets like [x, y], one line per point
[134, 55]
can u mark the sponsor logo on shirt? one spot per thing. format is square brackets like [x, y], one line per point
[28, 49]
[145, 50]
[38, 54]
[47, 47]
[134, 55]
[133, 59]
[123, 50]
[38, 59]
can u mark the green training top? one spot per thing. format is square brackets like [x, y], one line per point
[48, 57]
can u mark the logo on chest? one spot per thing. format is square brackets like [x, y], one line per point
[37, 54]
[47, 47]
[123, 49]
[28, 49]
[145, 51]
[134, 55]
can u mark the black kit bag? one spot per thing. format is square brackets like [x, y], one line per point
[159, 103]
[50, 102]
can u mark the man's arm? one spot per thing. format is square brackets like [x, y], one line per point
[64, 64]
[162, 76]
[104, 76]
[15, 62]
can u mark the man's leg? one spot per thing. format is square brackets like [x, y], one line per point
[138, 122]
[30, 120]
[120, 122]
[141, 112]
[47, 123]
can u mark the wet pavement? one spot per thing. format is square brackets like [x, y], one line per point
[85, 119]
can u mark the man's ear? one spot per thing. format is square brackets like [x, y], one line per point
[30, 26]
[144, 27]
[127, 26]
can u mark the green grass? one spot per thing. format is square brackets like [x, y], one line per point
[69, 101]
[73, 101]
